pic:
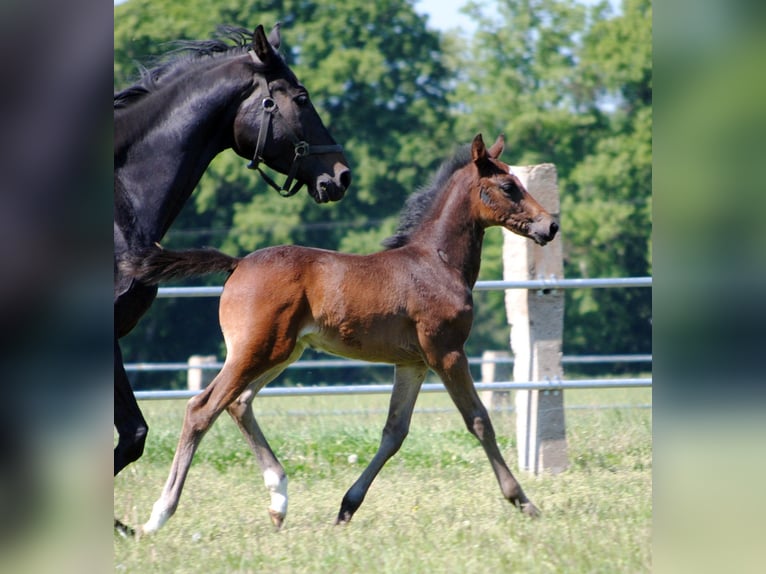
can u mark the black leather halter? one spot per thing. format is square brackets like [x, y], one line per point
[302, 147]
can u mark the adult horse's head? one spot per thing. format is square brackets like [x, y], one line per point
[503, 198]
[277, 124]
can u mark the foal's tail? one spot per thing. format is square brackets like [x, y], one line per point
[158, 265]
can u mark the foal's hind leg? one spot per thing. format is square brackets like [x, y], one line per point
[454, 372]
[407, 382]
[273, 472]
[201, 411]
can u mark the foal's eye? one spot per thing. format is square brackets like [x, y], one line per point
[511, 190]
[302, 99]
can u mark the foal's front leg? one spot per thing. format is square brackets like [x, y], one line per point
[454, 372]
[407, 382]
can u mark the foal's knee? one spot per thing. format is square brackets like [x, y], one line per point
[481, 427]
[393, 436]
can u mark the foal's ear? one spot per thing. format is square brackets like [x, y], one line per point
[479, 150]
[496, 149]
[261, 46]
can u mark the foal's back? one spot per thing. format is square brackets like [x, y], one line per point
[376, 307]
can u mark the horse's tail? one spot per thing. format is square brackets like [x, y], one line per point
[158, 265]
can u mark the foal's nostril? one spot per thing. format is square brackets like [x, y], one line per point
[345, 179]
[554, 228]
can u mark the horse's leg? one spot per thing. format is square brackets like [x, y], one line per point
[273, 472]
[201, 411]
[128, 419]
[454, 372]
[407, 382]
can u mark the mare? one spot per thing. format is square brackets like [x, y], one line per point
[409, 305]
[208, 97]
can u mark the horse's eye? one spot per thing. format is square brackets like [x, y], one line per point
[302, 99]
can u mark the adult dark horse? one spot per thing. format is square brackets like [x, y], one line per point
[169, 127]
[409, 305]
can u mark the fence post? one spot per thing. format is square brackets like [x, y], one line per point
[492, 372]
[197, 378]
[537, 321]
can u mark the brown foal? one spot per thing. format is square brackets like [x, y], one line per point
[410, 305]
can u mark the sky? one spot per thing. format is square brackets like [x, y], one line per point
[442, 14]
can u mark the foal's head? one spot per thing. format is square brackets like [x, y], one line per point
[501, 199]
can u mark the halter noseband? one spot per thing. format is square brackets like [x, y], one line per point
[302, 147]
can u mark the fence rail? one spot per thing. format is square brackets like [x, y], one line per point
[535, 284]
[344, 363]
[542, 283]
[374, 389]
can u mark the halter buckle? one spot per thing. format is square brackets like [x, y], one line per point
[302, 149]
[268, 104]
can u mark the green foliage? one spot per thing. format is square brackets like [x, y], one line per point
[568, 83]
[572, 85]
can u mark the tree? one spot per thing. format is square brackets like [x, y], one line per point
[568, 83]
[571, 85]
[375, 75]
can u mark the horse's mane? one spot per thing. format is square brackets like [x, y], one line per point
[419, 204]
[227, 40]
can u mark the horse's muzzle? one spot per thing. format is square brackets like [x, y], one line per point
[329, 188]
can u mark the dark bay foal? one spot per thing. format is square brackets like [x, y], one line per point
[410, 305]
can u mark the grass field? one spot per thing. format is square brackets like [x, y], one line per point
[434, 508]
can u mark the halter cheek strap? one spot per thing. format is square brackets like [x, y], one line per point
[302, 148]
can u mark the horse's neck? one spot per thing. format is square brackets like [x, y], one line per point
[455, 237]
[161, 168]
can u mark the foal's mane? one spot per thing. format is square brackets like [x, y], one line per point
[419, 204]
[227, 41]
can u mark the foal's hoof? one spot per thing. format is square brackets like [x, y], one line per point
[277, 518]
[123, 529]
[529, 509]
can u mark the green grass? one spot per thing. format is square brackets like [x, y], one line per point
[435, 507]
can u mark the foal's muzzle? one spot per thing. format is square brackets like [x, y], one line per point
[544, 230]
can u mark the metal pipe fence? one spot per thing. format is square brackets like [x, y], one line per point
[376, 389]
[343, 363]
[542, 283]
[341, 389]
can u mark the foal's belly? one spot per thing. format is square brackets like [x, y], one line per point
[372, 346]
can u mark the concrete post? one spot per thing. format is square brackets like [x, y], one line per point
[492, 372]
[537, 321]
[197, 378]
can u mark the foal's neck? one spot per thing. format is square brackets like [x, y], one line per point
[455, 235]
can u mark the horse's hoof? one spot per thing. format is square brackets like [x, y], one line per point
[277, 518]
[344, 517]
[123, 529]
[529, 509]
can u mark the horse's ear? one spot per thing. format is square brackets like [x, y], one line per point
[261, 46]
[478, 150]
[496, 149]
[274, 37]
